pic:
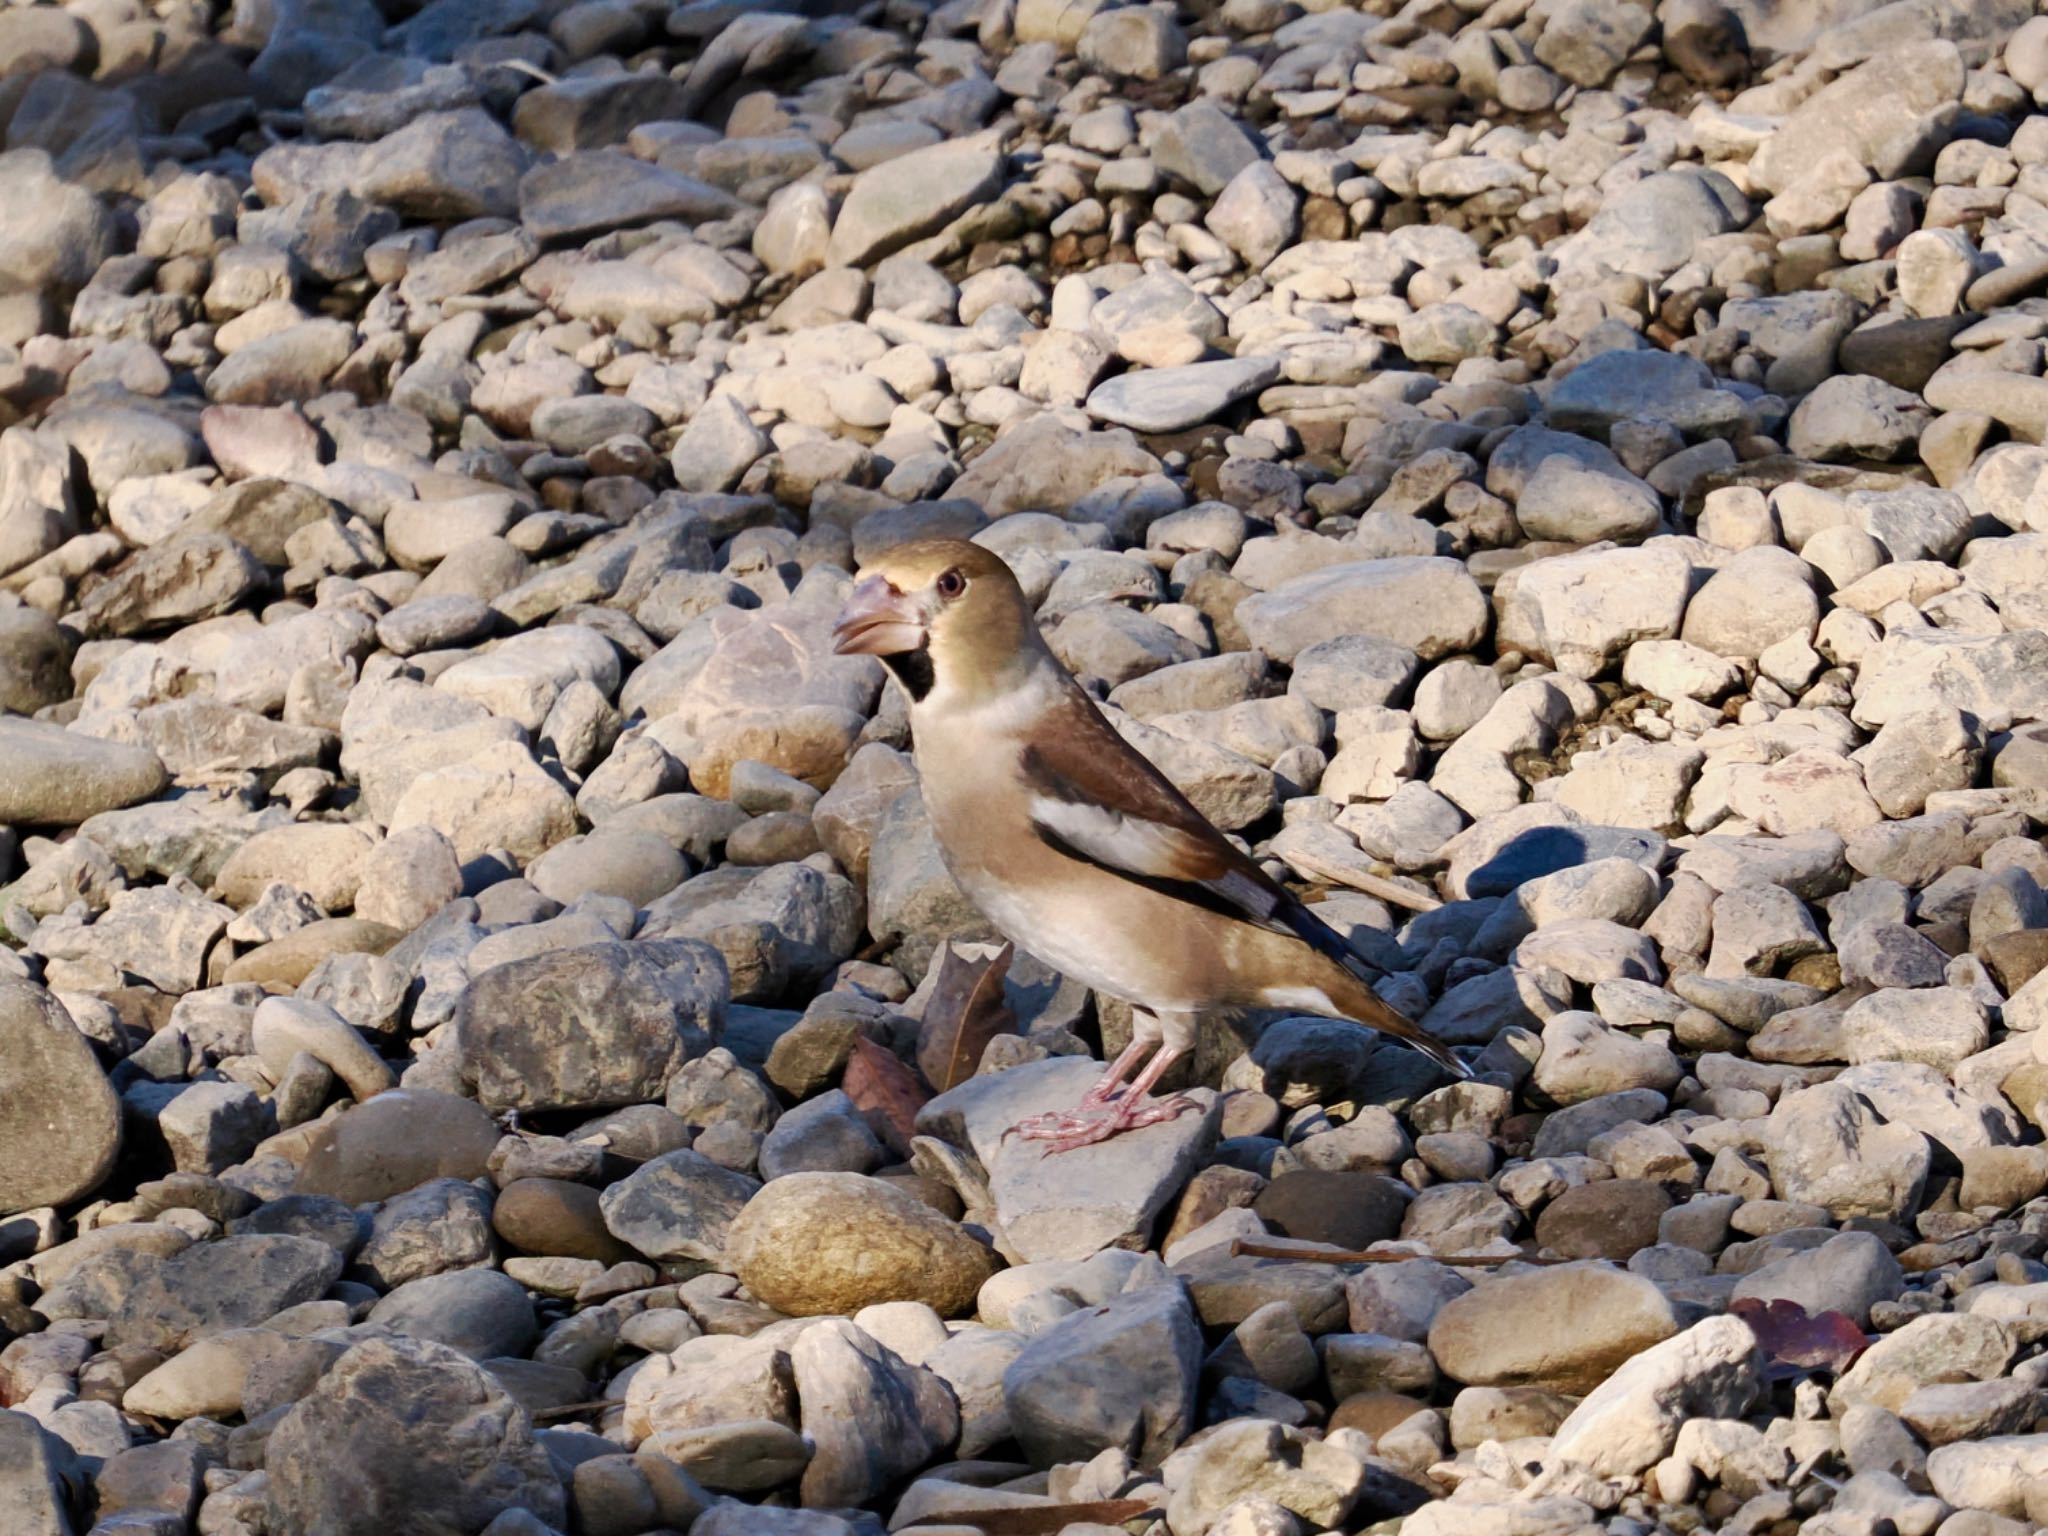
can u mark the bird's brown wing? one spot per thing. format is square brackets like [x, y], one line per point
[1098, 798]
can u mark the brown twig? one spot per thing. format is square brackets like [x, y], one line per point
[1239, 1248]
[571, 1410]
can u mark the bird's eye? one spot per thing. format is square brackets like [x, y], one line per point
[951, 583]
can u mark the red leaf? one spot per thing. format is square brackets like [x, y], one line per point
[965, 1012]
[1826, 1341]
[885, 1091]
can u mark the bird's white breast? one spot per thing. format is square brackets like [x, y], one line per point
[1065, 934]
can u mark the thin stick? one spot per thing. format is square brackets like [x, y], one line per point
[1393, 892]
[1240, 1248]
[533, 71]
[571, 1410]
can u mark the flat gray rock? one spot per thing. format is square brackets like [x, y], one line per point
[1068, 1205]
[1173, 399]
[915, 195]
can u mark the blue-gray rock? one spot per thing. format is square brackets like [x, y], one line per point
[677, 1206]
[402, 1434]
[822, 1135]
[484, 1313]
[1652, 385]
[232, 1282]
[1121, 1375]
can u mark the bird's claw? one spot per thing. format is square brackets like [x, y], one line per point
[1087, 1124]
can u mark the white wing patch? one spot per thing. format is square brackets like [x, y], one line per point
[1110, 837]
[1307, 999]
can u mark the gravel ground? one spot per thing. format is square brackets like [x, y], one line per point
[487, 1041]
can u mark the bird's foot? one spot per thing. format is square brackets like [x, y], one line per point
[1088, 1124]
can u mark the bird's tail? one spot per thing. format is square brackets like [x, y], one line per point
[1359, 1003]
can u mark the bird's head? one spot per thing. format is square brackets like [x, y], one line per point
[940, 613]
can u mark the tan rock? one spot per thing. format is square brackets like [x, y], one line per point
[818, 1244]
[1567, 1328]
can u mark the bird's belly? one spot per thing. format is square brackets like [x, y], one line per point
[1063, 928]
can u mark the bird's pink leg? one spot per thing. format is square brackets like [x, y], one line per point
[1070, 1122]
[1089, 1124]
[1114, 1074]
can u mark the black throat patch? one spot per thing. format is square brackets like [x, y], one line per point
[913, 670]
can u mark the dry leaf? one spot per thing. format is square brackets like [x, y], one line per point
[1045, 1520]
[885, 1091]
[966, 1011]
[1794, 1343]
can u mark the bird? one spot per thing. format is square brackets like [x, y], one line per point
[1076, 847]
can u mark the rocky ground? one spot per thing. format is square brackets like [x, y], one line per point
[1562, 480]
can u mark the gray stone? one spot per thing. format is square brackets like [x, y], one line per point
[230, 1282]
[870, 1417]
[60, 1124]
[1827, 1146]
[1071, 1204]
[482, 1313]
[35, 662]
[404, 1433]
[586, 194]
[1203, 145]
[446, 166]
[1120, 1375]
[443, 1225]
[1624, 385]
[1852, 417]
[1428, 604]
[1173, 399]
[1890, 114]
[168, 585]
[70, 235]
[1651, 227]
[1586, 41]
[1714, 1370]
[1584, 610]
[34, 1466]
[1848, 1274]
[588, 1028]
[912, 196]
[678, 1206]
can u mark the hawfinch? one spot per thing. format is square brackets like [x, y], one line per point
[1075, 846]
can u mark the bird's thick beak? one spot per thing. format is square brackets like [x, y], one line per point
[877, 621]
